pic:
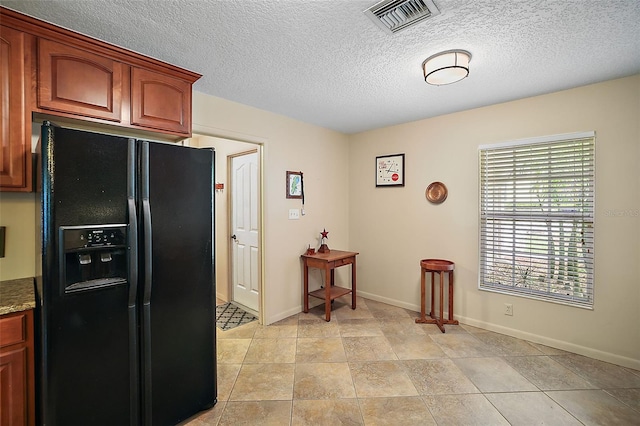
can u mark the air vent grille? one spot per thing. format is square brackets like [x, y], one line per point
[395, 15]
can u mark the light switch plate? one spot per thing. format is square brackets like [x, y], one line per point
[294, 214]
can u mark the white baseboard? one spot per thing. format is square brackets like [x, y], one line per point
[282, 315]
[412, 306]
[535, 338]
[554, 343]
[286, 314]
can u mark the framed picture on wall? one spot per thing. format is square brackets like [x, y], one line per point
[294, 184]
[390, 170]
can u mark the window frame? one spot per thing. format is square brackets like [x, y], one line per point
[492, 223]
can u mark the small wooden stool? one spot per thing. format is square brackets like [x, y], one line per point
[438, 266]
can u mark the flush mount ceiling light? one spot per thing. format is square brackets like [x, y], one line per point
[446, 67]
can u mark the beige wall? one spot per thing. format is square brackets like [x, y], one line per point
[322, 155]
[404, 227]
[393, 228]
[17, 213]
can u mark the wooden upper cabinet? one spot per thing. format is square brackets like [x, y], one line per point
[160, 101]
[78, 82]
[15, 152]
[67, 77]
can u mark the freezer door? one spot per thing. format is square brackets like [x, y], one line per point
[178, 309]
[84, 346]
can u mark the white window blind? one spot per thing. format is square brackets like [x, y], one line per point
[537, 218]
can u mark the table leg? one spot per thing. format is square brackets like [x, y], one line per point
[327, 293]
[423, 298]
[441, 322]
[433, 297]
[306, 287]
[353, 284]
[333, 282]
[450, 295]
[451, 320]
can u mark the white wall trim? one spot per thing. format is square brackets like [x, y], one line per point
[557, 344]
[282, 315]
[261, 143]
[204, 130]
[535, 338]
[398, 303]
[540, 139]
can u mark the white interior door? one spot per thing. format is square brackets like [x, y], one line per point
[244, 228]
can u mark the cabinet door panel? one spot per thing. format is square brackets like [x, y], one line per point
[78, 82]
[12, 330]
[13, 378]
[160, 102]
[15, 150]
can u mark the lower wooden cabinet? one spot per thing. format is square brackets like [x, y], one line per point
[17, 398]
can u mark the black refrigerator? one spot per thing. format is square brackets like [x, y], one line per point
[125, 312]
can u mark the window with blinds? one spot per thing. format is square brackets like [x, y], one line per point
[537, 218]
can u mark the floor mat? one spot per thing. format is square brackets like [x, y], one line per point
[229, 316]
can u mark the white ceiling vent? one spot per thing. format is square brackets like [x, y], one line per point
[395, 15]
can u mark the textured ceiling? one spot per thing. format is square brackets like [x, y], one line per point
[324, 62]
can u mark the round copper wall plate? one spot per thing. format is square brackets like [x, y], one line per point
[436, 192]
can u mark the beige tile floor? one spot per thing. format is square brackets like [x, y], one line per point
[376, 366]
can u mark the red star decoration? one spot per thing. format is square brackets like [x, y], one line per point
[324, 233]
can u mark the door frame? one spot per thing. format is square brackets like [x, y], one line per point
[260, 144]
[230, 288]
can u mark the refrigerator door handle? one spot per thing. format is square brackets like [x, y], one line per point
[147, 405]
[146, 213]
[133, 283]
[146, 219]
[133, 251]
[133, 223]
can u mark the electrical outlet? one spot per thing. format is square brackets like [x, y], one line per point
[294, 214]
[508, 309]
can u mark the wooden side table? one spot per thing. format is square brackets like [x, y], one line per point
[436, 266]
[328, 262]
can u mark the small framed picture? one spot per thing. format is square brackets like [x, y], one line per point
[390, 170]
[294, 184]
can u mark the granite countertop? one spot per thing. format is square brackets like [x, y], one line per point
[17, 295]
